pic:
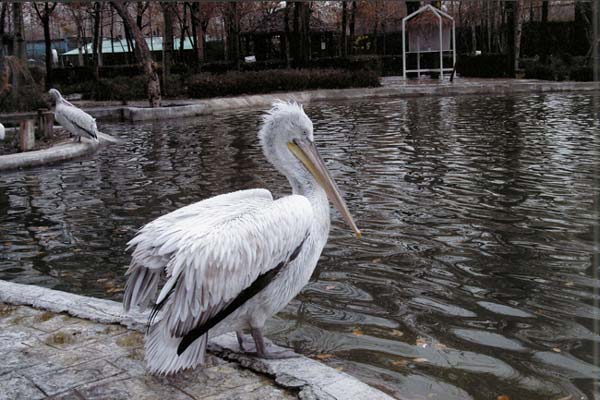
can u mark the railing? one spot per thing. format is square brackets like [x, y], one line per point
[43, 119]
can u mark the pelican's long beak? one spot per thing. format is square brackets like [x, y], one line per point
[307, 153]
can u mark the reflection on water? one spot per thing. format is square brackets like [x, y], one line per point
[475, 275]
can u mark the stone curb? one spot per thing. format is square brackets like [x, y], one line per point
[311, 378]
[61, 152]
[202, 107]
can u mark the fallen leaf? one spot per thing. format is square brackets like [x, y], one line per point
[376, 261]
[397, 333]
[399, 363]
[420, 360]
[324, 356]
[503, 397]
[339, 368]
[357, 332]
[330, 287]
[569, 284]
[556, 349]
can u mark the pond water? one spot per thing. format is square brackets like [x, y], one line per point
[475, 277]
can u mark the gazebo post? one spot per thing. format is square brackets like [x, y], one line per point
[453, 43]
[403, 49]
[418, 58]
[441, 48]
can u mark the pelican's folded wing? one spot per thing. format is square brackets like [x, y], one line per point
[79, 119]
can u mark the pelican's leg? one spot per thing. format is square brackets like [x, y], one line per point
[261, 350]
[240, 339]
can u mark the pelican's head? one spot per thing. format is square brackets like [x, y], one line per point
[287, 140]
[55, 94]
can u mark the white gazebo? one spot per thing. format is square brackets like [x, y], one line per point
[436, 34]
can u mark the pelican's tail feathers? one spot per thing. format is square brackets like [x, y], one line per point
[141, 287]
[161, 351]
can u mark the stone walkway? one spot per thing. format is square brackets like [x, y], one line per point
[55, 356]
[61, 345]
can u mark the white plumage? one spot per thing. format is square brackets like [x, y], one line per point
[73, 119]
[2, 132]
[234, 260]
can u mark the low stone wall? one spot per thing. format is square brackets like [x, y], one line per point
[392, 87]
[310, 378]
[61, 152]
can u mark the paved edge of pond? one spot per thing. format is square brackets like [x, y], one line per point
[63, 151]
[310, 378]
[391, 87]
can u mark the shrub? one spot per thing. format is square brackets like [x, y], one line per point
[25, 98]
[582, 74]
[121, 88]
[482, 66]
[237, 83]
[539, 71]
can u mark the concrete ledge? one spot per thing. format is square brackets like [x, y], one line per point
[392, 87]
[312, 379]
[61, 152]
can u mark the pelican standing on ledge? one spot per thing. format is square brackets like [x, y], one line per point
[73, 119]
[234, 260]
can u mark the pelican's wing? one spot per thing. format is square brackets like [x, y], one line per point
[212, 251]
[79, 119]
[151, 255]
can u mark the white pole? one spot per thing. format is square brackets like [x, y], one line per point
[403, 48]
[453, 43]
[441, 50]
[418, 57]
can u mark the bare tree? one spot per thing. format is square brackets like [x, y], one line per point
[142, 53]
[167, 41]
[44, 16]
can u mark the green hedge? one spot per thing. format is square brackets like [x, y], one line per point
[482, 66]
[25, 98]
[559, 68]
[121, 88]
[238, 83]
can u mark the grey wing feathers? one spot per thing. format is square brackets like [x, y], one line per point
[82, 124]
[157, 241]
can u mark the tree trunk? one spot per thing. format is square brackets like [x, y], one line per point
[182, 33]
[194, 32]
[45, 18]
[233, 37]
[167, 42]
[296, 37]
[511, 15]
[198, 32]
[48, 45]
[19, 33]
[543, 33]
[95, 51]
[344, 39]
[518, 30]
[352, 24]
[286, 41]
[142, 53]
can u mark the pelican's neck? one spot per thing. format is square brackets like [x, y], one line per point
[304, 184]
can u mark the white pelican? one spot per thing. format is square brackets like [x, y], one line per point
[234, 260]
[73, 119]
[2, 132]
